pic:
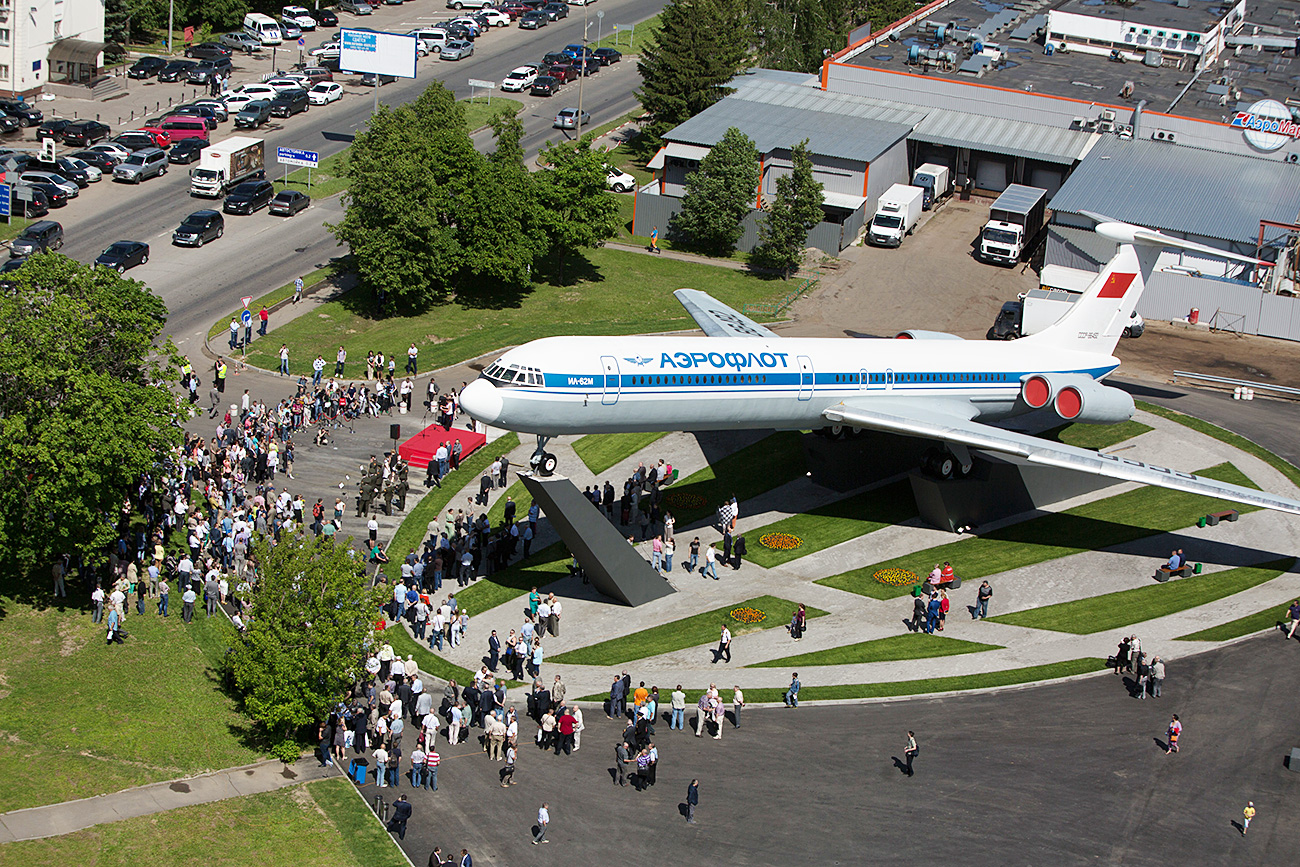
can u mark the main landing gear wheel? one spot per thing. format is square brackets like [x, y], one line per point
[942, 464]
[542, 461]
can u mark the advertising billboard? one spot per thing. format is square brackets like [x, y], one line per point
[380, 53]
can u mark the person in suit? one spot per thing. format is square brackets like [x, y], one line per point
[401, 813]
[617, 699]
[494, 650]
[726, 546]
[692, 800]
[739, 550]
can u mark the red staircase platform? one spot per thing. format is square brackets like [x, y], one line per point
[419, 449]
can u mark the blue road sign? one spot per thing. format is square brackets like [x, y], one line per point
[4, 199]
[296, 157]
[301, 42]
[246, 317]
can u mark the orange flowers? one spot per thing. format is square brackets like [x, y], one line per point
[897, 577]
[780, 541]
[747, 615]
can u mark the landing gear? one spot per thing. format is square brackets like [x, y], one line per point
[945, 463]
[542, 461]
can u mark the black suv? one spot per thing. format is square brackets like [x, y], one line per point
[199, 228]
[53, 128]
[203, 73]
[249, 197]
[84, 133]
[146, 67]
[289, 103]
[37, 238]
[208, 51]
[27, 116]
[176, 70]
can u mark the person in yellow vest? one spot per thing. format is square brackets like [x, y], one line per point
[221, 375]
[1247, 815]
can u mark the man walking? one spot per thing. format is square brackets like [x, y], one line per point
[431, 761]
[1157, 676]
[339, 361]
[724, 645]
[401, 813]
[692, 801]
[910, 752]
[543, 820]
[1246, 815]
[297, 290]
[710, 562]
[494, 651]
[982, 597]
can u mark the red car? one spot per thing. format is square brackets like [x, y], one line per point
[161, 137]
[514, 10]
[562, 72]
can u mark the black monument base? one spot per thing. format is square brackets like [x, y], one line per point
[613, 566]
[860, 459]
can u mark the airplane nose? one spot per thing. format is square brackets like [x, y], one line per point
[482, 400]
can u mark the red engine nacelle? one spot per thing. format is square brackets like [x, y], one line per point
[1075, 397]
[1036, 391]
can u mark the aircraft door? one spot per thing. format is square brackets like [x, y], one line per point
[889, 380]
[610, 380]
[864, 380]
[805, 377]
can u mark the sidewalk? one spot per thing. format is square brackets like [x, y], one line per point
[53, 820]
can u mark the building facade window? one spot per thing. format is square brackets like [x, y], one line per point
[4, 35]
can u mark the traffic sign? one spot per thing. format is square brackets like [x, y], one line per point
[246, 317]
[301, 42]
[245, 300]
[4, 200]
[23, 194]
[296, 157]
[490, 85]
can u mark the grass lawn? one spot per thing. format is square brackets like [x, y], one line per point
[1096, 436]
[836, 522]
[1251, 623]
[909, 646]
[1092, 526]
[480, 110]
[610, 292]
[984, 680]
[326, 179]
[11, 227]
[82, 719]
[601, 451]
[310, 279]
[544, 566]
[1113, 610]
[516, 492]
[323, 824]
[755, 469]
[680, 634]
[429, 661]
[1286, 468]
[414, 529]
[643, 31]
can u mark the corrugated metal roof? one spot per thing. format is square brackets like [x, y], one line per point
[778, 115]
[1002, 135]
[1182, 189]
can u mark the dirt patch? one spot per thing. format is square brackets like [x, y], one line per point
[1165, 348]
[71, 637]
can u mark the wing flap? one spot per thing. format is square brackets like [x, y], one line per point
[717, 319]
[951, 423]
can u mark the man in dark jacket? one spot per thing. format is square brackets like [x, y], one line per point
[401, 812]
[739, 551]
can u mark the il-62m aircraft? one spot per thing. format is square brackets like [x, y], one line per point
[938, 386]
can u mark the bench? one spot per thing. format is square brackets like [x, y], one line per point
[1164, 573]
[925, 586]
[1214, 518]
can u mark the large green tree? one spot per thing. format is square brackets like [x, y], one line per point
[84, 408]
[700, 46]
[312, 610]
[577, 208]
[718, 196]
[799, 34]
[796, 208]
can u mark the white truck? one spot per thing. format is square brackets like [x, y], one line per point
[935, 179]
[1037, 309]
[227, 163]
[897, 213]
[1015, 220]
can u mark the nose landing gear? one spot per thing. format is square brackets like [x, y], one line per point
[542, 461]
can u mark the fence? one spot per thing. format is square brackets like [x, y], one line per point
[776, 308]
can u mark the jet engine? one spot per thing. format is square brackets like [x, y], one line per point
[1077, 398]
[917, 334]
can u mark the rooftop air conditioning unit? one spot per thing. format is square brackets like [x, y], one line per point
[1163, 135]
[1108, 114]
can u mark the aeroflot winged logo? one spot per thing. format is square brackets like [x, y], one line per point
[639, 361]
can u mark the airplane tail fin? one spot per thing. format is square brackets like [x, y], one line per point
[1095, 322]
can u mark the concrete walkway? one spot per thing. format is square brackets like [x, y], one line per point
[53, 820]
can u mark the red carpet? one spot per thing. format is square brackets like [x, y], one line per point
[418, 450]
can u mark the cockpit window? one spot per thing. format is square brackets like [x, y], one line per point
[513, 375]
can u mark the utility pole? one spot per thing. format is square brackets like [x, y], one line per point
[582, 70]
[171, 12]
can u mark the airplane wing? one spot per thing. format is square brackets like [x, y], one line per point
[951, 422]
[717, 319]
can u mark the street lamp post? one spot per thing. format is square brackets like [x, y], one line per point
[582, 70]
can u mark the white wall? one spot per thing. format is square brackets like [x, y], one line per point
[33, 27]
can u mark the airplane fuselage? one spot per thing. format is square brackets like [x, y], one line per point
[578, 385]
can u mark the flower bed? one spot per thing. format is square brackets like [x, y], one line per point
[897, 577]
[780, 541]
[684, 500]
[747, 615]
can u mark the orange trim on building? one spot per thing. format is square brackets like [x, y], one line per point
[826, 68]
[866, 176]
[759, 204]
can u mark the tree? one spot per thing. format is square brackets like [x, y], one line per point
[799, 34]
[795, 209]
[699, 47]
[718, 196]
[576, 207]
[83, 413]
[410, 174]
[311, 613]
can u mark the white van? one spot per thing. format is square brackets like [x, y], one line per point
[262, 28]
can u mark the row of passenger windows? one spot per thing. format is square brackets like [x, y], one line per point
[730, 379]
[848, 378]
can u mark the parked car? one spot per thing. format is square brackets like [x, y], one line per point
[556, 11]
[7, 282]
[9, 123]
[187, 150]
[80, 172]
[289, 103]
[571, 118]
[176, 70]
[146, 67]
[618, 180]
[544, 85]
[217, 107]
[586, 65]
[162, 137]
[283, 83]
[101, 160]
[54, 197]
[26, 114]
[471, 24]
[235, 102]
[124, 254]
[562, 72]
[69, 188]
[143, 164]
[576, 49]
[512, 9]
[315, 75]
[289, 30]
[551, 57]
[254, 114]
[370, 80]
[495, 17]
[37, 238]
[325, 18]
[83, 133]
[249, 197]
[203, 73]
[207, 51]
[35, 203]
[355, 7]
[241, 41]
[325, 92]
[457, 49]
[328, 50]
[289, 202]
[459, 31]
[199, 228]
[608, 56]
[256, 91]
[300, 16]
[136, 140]
[117, 151]
[519, 79]
[200, 111]
[533, 20]
[53, 128]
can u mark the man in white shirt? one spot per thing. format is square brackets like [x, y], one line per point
[724, 645]
[399, 597]
[436, 627]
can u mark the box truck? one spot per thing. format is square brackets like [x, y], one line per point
[897, 214]
[1037, 309]
[935, 179]
[1015, 220]
[227, 163]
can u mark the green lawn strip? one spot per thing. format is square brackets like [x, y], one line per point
[480, 110]
[414, 528]
[1125, 607]
[1237, 441]
[602, 451]
[222, 326]
[755, 469]
[430, 663]
[893, 648]
[12, 226]
[1096, 436]
[614, 124]
[522, 499]
[611, 292]
[955, 683]
[116, 723]
[835, 522]
[681, 634]
[543, 567]
[1251, 623]
[327, 178]
[643, 31]
[322, 823]
[1100, 524]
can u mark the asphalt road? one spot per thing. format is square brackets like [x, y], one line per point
[260, 252]
[1069, 774]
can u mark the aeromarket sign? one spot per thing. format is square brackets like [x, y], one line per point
[1267, 125]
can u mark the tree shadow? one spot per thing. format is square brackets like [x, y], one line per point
[575, 267]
